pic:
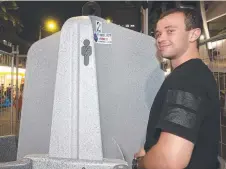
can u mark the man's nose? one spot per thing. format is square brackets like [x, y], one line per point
[161, 38]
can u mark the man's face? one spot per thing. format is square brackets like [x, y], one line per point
[171, 36]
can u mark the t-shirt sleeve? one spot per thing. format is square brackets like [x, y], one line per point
[183, 112]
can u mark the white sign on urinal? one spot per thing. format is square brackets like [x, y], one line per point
[104, 38]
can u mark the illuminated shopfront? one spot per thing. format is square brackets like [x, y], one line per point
[6, 76]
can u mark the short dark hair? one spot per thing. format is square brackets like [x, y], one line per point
[193, 18]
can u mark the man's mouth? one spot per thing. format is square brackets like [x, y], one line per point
[162, 47]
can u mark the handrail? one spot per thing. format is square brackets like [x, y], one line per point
[1, 51]
[213, 39]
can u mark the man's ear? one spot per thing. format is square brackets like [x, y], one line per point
[194, 34]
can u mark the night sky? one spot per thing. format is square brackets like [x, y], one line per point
[33, 14]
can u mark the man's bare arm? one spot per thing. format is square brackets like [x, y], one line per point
[170, 152]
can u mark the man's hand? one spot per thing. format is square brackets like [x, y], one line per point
[141, 153]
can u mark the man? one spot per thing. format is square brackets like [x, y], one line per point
[183, 128]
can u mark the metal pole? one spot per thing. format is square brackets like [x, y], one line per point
[12, 72]
[146, 21]
[205, 26]
[17, 92]
[40, 32]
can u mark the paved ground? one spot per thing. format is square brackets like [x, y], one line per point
[5, 122]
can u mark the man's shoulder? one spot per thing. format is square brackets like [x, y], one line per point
[195, 77]
[193, 71]
[205, 77]
[202, 69]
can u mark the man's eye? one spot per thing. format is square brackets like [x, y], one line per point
[170, 31]
[157, 35]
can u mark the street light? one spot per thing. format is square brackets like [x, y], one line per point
[109, 20]
[50, 25]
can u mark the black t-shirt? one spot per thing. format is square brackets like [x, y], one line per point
[187, 105]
